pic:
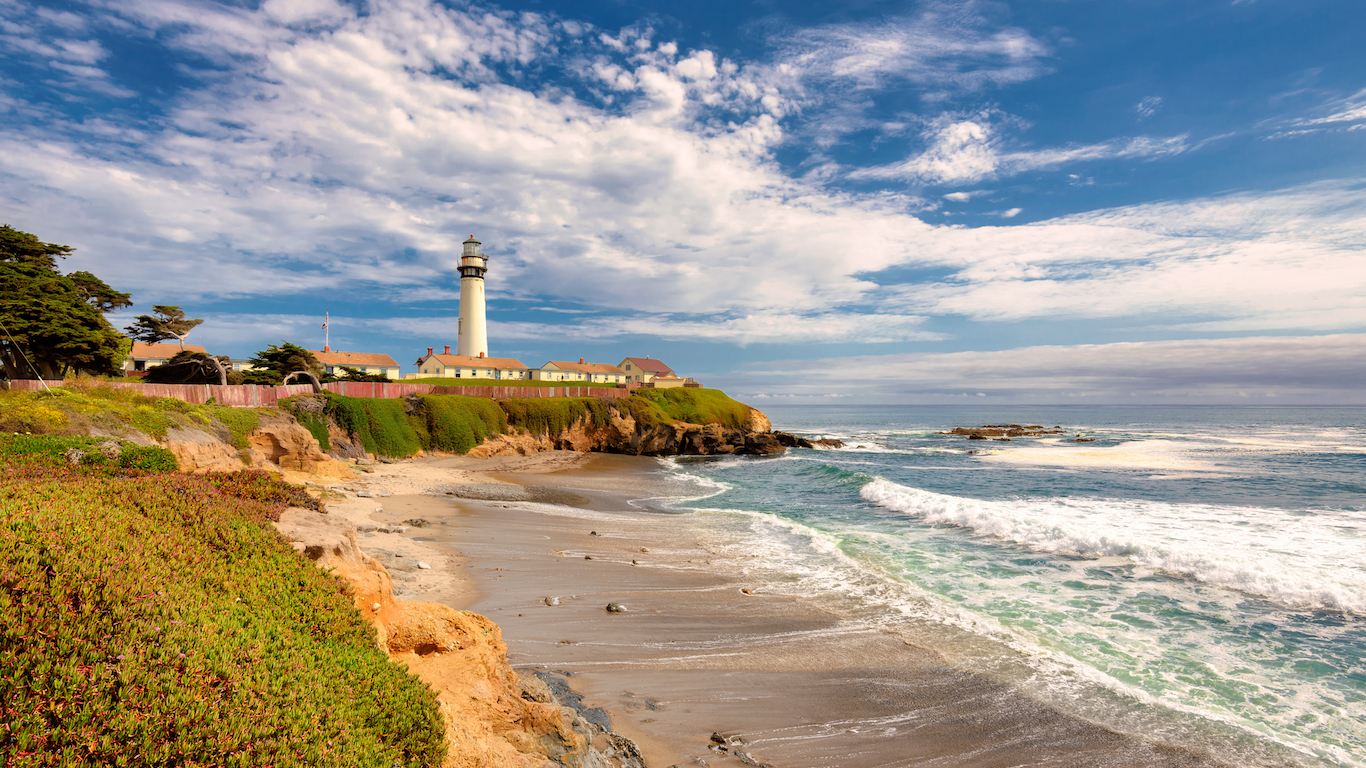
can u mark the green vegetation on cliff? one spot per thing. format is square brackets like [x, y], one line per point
[157, 619]
[697, 406]
[457, 423]
[86, 406]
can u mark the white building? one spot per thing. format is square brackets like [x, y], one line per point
[472, 336]
[643, 370]
[448, 366]
[592, 373]
[365, 362]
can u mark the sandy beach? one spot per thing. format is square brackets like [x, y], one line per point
[542, 544]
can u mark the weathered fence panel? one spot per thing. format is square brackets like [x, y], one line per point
[254, 396]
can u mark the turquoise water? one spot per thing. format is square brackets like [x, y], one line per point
[1195, 575]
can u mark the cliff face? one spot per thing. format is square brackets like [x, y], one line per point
[624, 434]
[495, 718]
[278, 444]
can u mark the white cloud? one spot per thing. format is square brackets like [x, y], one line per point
[1325, 369]
[1148, 106]
[967, 148]
[352, 157]
[946, 45]
[1247, 262]
[770, 328]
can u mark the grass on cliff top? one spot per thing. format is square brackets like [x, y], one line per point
[504, 383]
[87, 406]
[456, 423]
[399, 428]
[697, 406]
[156, 619]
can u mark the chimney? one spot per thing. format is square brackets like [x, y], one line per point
[481, 354]
[429, 351]
[448, 350]
[327, 348]
[580, 361]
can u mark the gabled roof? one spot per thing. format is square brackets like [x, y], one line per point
[466, 361]
[649, 364]
[355, 359]
[584, 367]
[142, 351]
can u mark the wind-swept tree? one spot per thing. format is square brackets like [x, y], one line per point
[52, 323]
[274, 363]
[168, 323]
[189, 367]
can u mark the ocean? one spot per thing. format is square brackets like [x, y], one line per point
[1195, 576]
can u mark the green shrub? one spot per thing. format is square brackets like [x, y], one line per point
[316, 424]
[456, 423]
[50, 450]
[158, 620]
[239, 422]
[382, 426]
[697, 406]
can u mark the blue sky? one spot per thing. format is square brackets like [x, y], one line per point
[864, 202]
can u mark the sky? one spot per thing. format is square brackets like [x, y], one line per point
[1055, 201]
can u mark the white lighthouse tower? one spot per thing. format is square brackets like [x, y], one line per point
[472, 336]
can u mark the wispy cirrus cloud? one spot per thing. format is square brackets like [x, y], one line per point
[969, 148]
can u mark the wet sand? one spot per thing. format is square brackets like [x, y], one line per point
[788, 683]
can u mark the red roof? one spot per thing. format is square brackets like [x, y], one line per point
[650, 365]
[355, 359]
[142, 351]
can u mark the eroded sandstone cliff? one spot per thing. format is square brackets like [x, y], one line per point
[495, 718]
[625, 434]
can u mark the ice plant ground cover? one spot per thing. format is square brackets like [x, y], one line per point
[151, 617]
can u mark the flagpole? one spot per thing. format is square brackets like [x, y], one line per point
[327, 330]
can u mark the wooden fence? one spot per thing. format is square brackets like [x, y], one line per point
[254, 396]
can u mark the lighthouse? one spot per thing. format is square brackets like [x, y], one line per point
[472, 336]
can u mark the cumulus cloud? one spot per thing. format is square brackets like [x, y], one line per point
[1239, 263]
[1325, 369]
[330, 152]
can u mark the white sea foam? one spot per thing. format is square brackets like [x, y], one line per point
[1140, 454]
[1303, 561]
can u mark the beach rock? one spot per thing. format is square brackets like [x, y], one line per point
[745, 758]
[423, 566]
[364, 495]
[761, 444]
[392, 529]
[592, 533]
[367, 528]
[616, 608]
[552, 601]
[418, 522]
[717, 738]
